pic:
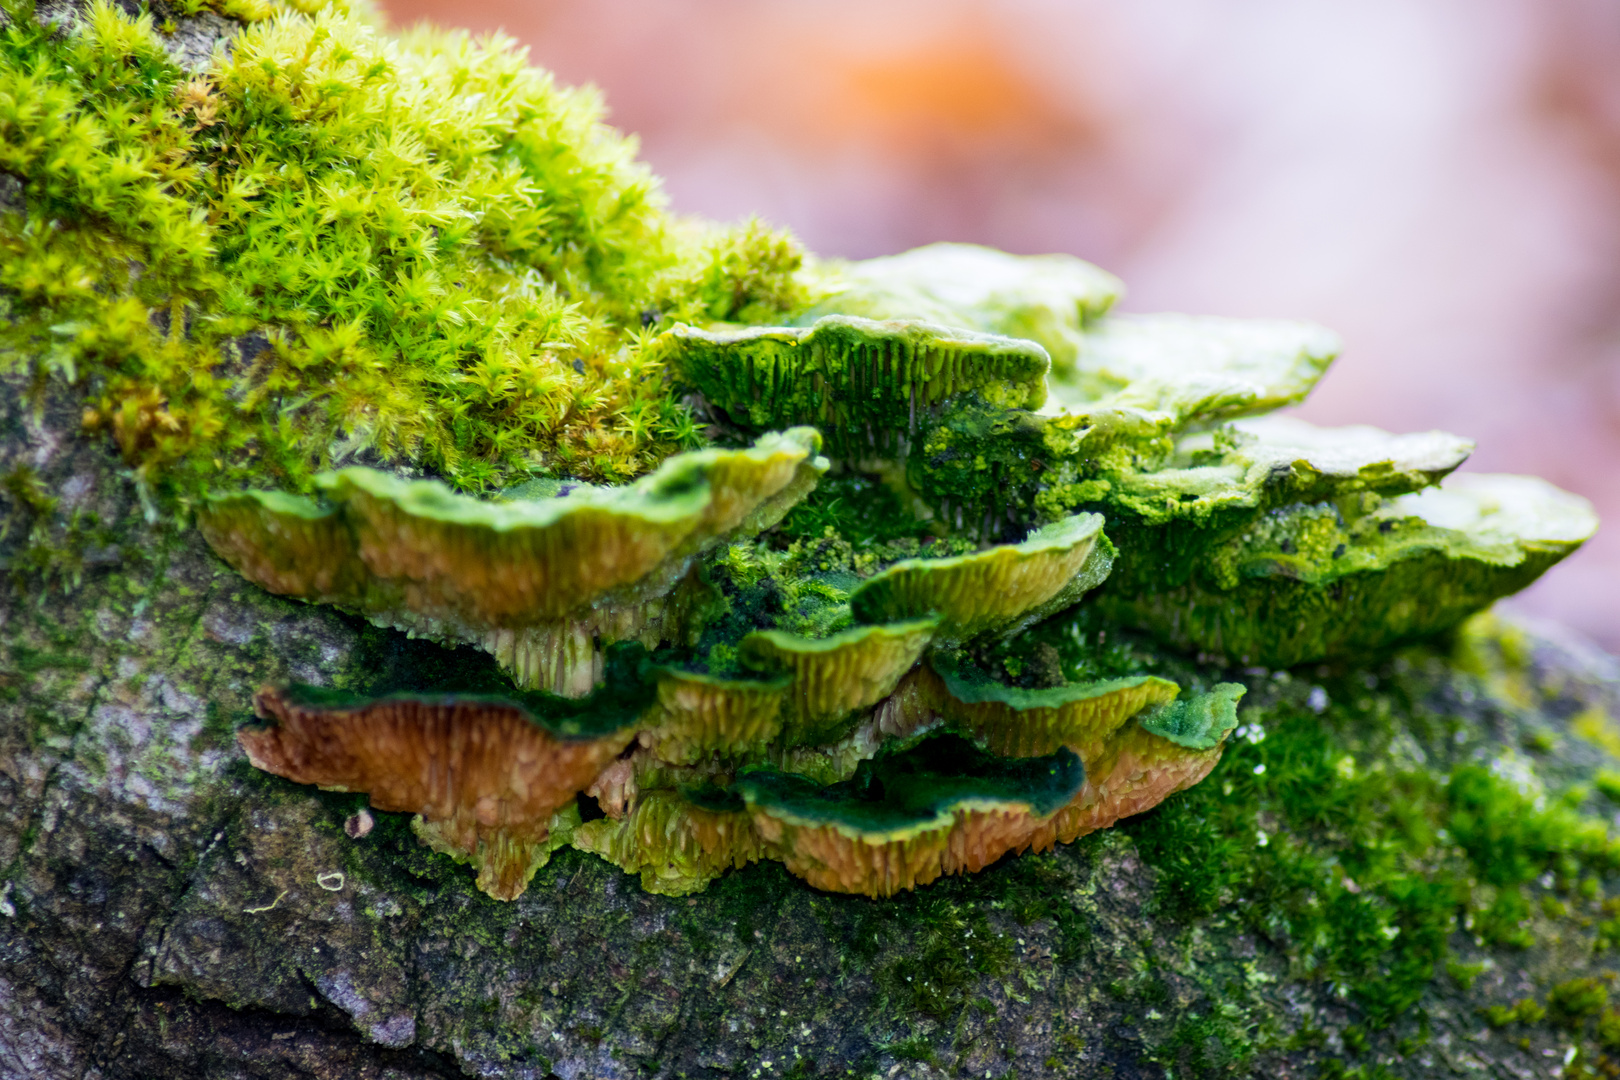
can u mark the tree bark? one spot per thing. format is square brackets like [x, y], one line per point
[166, 910]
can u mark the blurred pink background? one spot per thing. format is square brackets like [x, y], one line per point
[1439, 182]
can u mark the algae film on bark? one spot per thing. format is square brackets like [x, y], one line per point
[882, 571]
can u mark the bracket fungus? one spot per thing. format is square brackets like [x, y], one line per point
[539, 583]
[1310, 581]
[1049, 299]
[832, 665]
[866, 384]
[943, 806]
[1018, 721]
[1197, 369]
[487, 776]
[698, 715]
[837, 677]
[998, 590]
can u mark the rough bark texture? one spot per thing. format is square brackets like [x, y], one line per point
[166, 910]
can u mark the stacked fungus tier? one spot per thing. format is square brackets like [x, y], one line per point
[810, 641]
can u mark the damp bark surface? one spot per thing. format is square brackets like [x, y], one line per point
[166, 910]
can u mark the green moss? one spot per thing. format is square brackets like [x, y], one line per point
[1035, 888]
[1464, 974]
[30, 660]
[761, 588]
[1372, 862]
[1608, 782]
[918, 1048]
[1572, 1002]
[47, 546]
[1523, 1011]
[416, 249]
[954, 947]
[1338, 1070]
[1608, 1030]
[860, 509]
[1216, 1044]
[979, 466]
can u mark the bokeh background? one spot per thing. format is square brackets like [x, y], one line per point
[1438, 181]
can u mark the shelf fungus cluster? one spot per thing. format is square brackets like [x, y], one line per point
[761, 652]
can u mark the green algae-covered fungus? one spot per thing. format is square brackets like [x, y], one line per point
[865, 383]
[1020, 721]
[995, 591]
[1049, 299]
[406, 330]
[676, 841]
[1197, 723]
[941, 807]
[837, 677]
[700, 715]
[1349, 577]
[534, 581]
[1197, 369]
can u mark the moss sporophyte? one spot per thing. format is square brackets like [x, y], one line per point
[759, 541]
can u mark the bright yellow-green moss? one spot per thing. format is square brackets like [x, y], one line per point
[337, 245]
[251, 11]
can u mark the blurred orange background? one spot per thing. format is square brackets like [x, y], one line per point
[1439, 182]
